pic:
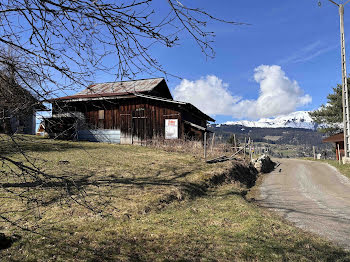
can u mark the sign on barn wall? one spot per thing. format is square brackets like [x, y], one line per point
[171, 129]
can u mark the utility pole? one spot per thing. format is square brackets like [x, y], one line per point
[344, 81]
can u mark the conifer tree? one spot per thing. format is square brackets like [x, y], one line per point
[329, 117]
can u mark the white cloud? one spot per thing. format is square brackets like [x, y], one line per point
[209, 94]
[278, 95]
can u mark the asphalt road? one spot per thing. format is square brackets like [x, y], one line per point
[313, 195]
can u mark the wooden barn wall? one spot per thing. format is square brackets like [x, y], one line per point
[194, 118]
[126, 115]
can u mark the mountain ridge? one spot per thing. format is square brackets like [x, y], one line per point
[298, 119]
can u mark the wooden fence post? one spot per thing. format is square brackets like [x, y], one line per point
[234, 141]
[245, 144]
[212, 142]
[249, 145]
[250, 152]
[313, 148]
[339, 155]
[205, 146]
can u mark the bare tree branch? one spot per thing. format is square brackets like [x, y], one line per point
[48, 47]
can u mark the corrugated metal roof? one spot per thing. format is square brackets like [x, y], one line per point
[126, 89]
[134, 86]
[161, 99]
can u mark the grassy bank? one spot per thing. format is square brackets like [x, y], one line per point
[344, 169]
[115, 179]
[135, 191]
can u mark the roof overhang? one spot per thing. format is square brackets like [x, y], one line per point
[335, 138]
[95, 97]
[41, 107]
[190, 106]
[200, 128]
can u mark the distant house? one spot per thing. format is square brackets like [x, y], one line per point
[41, 129]
[17, 108]
[128, 112]
[338, 139]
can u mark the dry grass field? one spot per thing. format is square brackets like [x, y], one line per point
[128, 203]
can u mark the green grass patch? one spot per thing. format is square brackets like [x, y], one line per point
[344, 169]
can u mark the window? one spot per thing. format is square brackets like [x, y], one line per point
[101, 117]
[101, 114]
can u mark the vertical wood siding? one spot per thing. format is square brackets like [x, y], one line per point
[137, 117]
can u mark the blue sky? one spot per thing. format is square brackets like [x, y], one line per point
[297, 42]
[299, 36]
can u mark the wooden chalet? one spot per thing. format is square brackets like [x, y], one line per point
[338, 139]
[128, 112]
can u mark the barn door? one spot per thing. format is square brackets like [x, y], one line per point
[140, 130]
[125, 128]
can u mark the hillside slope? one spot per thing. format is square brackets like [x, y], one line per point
[291, 136]
[142, 204]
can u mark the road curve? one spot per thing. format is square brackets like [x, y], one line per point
[313, 195]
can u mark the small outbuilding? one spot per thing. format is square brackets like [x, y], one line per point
[338, 139]
[18, 108]
[41, 129]
[128, 112]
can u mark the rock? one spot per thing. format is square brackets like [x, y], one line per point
[264, 164]
[63, 162]
[346, 160]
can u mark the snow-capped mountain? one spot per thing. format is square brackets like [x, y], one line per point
[299, 119]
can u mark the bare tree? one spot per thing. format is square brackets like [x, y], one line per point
[70, 39]
[59, 45]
